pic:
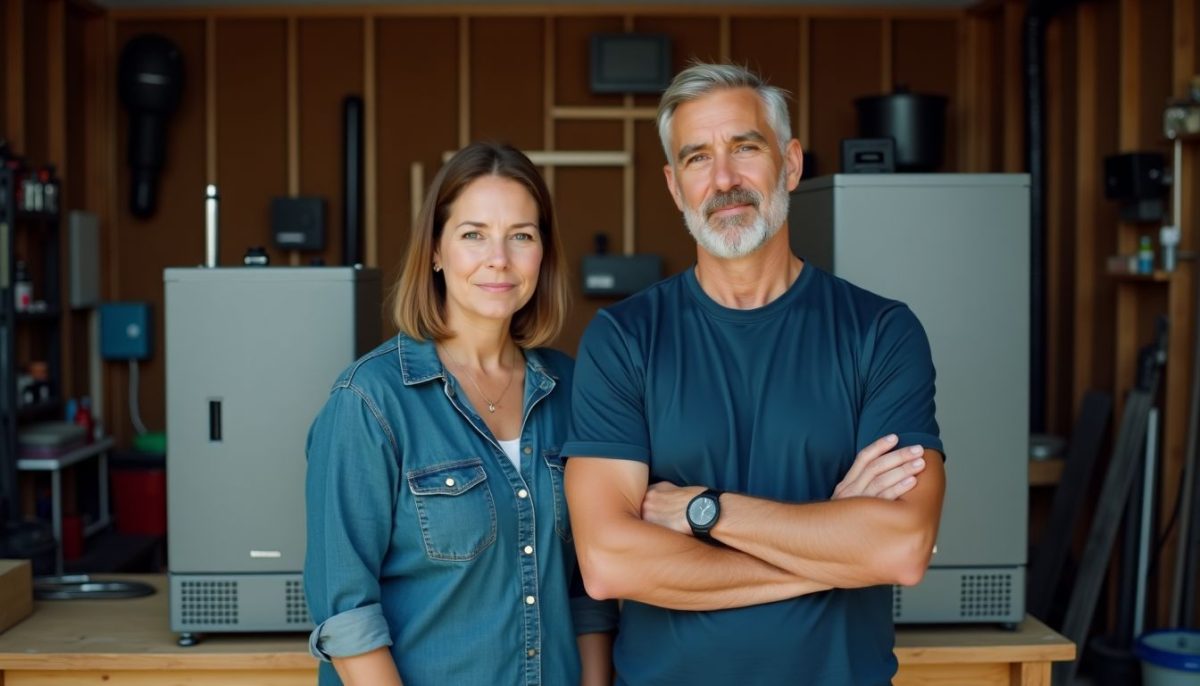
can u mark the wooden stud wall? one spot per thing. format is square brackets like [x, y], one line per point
[261, 116]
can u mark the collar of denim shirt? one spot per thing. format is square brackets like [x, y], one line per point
[419, 363]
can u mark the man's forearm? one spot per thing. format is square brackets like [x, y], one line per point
[844, 543]
[640, 561]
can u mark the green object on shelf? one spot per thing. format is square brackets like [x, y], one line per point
[151, 442]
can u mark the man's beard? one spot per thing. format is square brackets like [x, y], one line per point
[739, 235]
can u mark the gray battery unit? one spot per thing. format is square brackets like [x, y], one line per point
[251, 353]
[955, 248]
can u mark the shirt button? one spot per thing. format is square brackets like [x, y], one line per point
[528, 450]
[449, 482]
[522, 493]
[530, 600]
[531, 652]
[528, 550]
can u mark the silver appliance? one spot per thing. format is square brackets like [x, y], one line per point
[955, 248]
[252, 353]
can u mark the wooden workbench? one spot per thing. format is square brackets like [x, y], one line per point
[128, 643]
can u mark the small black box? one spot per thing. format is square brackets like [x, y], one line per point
[298, 223]
[868, 155]
[616, 275]
[1134, 176]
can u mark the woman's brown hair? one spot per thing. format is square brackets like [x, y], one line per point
[420, 292]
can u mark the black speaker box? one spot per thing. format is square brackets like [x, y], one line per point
[298, 223]
[1134, 176]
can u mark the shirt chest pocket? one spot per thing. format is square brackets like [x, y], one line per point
[455, 509]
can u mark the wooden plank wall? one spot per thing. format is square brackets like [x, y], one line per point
[261, 115]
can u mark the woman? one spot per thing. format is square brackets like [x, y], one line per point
[439, 547]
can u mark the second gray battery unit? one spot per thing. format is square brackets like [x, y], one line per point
[251, 355]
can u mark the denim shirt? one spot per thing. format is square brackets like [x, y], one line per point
[424, 537]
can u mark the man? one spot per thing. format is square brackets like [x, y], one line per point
[754, 456]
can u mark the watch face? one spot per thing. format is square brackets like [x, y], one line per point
[702, 511]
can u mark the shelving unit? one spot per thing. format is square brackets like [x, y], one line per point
[26, 336]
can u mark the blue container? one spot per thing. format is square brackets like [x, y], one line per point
[1170, 658]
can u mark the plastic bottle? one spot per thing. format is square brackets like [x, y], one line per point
[1145, 256]
[83, 417]
[49, 190]
[22, 288]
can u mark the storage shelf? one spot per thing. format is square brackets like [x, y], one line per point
[48, 314]
[46, 217]
[1153, 277]
[47, 464]
[27, 411]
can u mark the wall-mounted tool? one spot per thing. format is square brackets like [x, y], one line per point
[150, 83]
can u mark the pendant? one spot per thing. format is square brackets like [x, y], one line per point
[491, 407]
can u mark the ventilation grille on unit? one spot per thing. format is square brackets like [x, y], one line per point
[297, 607]
[985, 595]
[209, 602]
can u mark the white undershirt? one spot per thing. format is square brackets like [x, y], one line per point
[513, 450]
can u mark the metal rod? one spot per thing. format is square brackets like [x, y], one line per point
[1147, 516]
[211, 228]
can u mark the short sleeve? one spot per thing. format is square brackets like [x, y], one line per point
[608, 417]
[900, 378]
[352, 476]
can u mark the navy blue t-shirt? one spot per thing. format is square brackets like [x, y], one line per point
[772, 402]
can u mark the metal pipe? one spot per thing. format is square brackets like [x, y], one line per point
[211, 228]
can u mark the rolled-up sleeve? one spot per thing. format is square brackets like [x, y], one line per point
[591, 616]
[352, 476]
[352, 632]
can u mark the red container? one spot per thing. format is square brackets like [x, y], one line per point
[139, 498]
[72, 533]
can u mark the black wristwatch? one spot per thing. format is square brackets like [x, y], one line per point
[702, 513]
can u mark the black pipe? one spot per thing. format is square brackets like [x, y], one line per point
[352, 185]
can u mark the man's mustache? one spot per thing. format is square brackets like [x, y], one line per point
[737, 196]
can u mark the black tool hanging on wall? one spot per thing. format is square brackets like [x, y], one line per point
[150, 78]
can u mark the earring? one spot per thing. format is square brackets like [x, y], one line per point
[437, 267]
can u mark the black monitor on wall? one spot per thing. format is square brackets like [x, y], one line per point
[630, 62]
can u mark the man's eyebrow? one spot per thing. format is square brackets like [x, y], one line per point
[749, 136]
[687, 150]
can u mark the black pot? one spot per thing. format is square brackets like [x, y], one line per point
[917, 122]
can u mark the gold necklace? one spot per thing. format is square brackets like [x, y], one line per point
[491, 406]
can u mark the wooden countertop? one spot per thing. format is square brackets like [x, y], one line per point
[134, 635]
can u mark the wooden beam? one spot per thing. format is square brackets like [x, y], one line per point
[56, 91]
[548, 96]
[293, 119]
[724, 40]
[604, 113]
[803, 96]
[416, 191]
[571, 158]
[464, 81]
[1057, 305]
[885, 55]
[210, 99]
[1014, 121]
[14, 59]
[1087, 199]
[1181, 311]
[831, 10]
[55, 40]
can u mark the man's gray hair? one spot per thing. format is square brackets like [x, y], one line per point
[701, 78]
